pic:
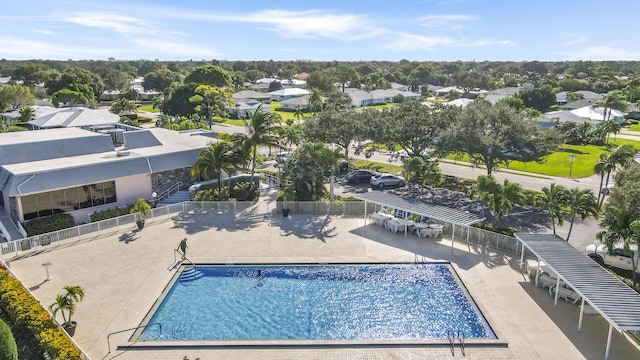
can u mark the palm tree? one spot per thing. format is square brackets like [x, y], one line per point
[261, 130]
[620, 225]
[315, 100]
[216, 159]
[553, 199]
[67, 302]
[581, 203]
[298, 113]
[328, 160]
[498, 198]
[613, 100]
[290, 135]
[601, 168]
[621, 156]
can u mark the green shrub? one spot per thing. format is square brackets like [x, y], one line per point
[110, 213]
[144, 119]
[213, 195]
[488, 227]
[8, 347]
[48, 224]
[245, 191]
[34, 330]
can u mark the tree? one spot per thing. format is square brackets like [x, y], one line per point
[553, 199]
[275, 85]
[315, 100]
[621, 156]
[8, 347]
[306, 176]
[217, 158]
[613, 100]
[67, 302]
[209, 75]
[298, 113]
[290, 135]
[340, 127]
[114, 79]
[31, 74]
[68, 98]
[418, 129]
[419, 171]
[160, 80]
[176, 100]
[541, 98]
[583, 203]
[495, 135]
[621, 226]
[13, 97]
[123, 106]
[498, 198]
[75, 79]
[328, 160]
[261, 130]
[321, 80]
[27, 113]
[345, 74]
[211, 100]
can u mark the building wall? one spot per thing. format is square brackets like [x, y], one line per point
[161, 181]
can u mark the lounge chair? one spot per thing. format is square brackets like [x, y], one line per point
[566, 294]
[546, 281]
[431, 233]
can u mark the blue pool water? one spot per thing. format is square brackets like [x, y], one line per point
[324, 302]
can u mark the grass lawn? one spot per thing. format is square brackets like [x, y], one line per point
[558, 163]
[381, 167]
[635, 127]
[618, 142]
[149, 108]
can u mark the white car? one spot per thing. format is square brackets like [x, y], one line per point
[617, 258]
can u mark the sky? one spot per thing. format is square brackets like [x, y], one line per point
[342, 30]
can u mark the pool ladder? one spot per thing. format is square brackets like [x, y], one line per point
[454, 336]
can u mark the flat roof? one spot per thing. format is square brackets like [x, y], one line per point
[435, 212]
[612, 298]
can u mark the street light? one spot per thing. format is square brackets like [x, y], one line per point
[155, 198]
[572, 158]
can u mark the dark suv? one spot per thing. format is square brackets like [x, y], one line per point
[359, 176]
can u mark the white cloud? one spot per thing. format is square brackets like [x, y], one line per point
[44, 32]
[408, 41]
[452, 20]
[575, 40]
[601, 53]
[25, 48]
[120, 24]
[170, 47]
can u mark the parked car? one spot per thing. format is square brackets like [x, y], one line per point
[617, 258]
[359, 176]
[383, 180]
[282, 157]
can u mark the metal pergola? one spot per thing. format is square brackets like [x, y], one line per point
[436, 212]
[610, 297]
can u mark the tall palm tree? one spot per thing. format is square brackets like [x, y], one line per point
[261, 130]
[601, 168]
[290, 135]
[583, 203]
[553, 199]
[613, 100]
[298, 113]
[328, 160]
[499, 198]
[621, 156]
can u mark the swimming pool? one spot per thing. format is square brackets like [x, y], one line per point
[316, 302]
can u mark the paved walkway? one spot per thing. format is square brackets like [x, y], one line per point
[123, 272]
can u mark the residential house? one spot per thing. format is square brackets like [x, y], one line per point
[361, 98]
[80, 117]
[301, 102]
[287, 93]
[562, 98]
[244, 108]
[250, 94]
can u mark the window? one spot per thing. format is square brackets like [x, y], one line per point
[66, 200]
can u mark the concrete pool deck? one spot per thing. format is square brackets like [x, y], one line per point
[123, 272]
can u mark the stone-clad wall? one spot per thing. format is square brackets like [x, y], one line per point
[163, 180]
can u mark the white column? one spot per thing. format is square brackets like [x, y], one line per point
[522, 257]
[555, 301]
[537, 272]
[453, 235]
[581, 315]
[365, 213]
[606, 353]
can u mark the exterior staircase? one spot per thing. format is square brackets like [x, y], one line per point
[9, 226]
[176, 197]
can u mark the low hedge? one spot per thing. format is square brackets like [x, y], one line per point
[8, 347]
[32, 326]
[110, 213]
[48, 224]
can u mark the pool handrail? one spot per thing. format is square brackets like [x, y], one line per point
[135, 328]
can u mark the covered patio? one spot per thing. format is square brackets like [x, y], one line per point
[610, 297]
[409, 208]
